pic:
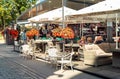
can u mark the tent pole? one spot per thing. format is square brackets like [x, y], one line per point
[63, 25]
[116, 31]
[82, 28]
[63, 14]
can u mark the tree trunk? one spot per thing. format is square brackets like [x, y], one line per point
[2, 20]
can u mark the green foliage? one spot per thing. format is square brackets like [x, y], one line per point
[11, 9]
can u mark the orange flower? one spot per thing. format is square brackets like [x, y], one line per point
[67, 33]
[56, 31]
[32, 33]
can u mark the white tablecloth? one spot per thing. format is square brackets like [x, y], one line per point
[40, 41]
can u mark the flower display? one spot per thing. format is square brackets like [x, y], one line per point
[32, 32]
[67, 33]
[14, 33]
[56, 32]
[35, 32]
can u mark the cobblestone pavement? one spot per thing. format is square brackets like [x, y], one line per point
[11, 70]
[12, 66]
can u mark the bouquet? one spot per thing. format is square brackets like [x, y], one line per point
[67, 33]
[56, 32]
[14, 33]
[32, 32]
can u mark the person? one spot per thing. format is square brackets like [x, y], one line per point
[8, 37]
[23, 36]
[89, 40]
[40, 32]
[48, 36]
[44, 31]
[82, 41]
[98, 40]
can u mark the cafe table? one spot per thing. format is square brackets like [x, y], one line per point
[73, 46]
[43, 42]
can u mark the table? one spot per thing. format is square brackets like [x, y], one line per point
[116, 57]
[73, 46]
[43, 42]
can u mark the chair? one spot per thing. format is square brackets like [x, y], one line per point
[16, 46]
[24, 50]
[48, 47]
[81, 54]
[68, 47]
[52, 55]
[97, 54]
[34, 49]
[58, 46]
[67, 59]
[28, 50]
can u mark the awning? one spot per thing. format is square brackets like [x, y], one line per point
[53, 15]
[101, 7]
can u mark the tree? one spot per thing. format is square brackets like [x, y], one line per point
[22, 5]
[11, 9]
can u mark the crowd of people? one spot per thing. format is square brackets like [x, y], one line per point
[89, 40]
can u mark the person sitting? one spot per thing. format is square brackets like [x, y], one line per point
[89, 40]
[98, 40]
[82, 41]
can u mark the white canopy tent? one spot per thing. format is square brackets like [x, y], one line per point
[105, 10]
[53, 15]
[104, 6]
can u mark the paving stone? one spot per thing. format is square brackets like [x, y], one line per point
[10, 70]
[106, 70]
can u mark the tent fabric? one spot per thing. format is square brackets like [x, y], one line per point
[98, 12]
[107, 5]
[52, 15]
[105, 9]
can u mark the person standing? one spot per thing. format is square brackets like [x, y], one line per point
[23, 36]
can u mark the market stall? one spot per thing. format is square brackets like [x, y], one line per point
[105, 11]
[108, 12]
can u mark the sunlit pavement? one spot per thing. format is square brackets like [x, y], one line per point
[45, 70]
[2, 41]
[50, 72]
